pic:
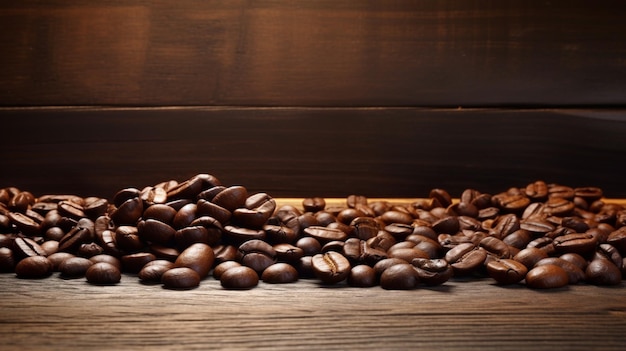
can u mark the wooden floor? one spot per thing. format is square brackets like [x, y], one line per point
[461, 315]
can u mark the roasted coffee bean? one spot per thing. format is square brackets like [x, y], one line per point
[432, 271]
[547, 277]
[223, 267]
[231, 198]
[107, 259]
[180, 278]
[103, 273]
[589, 193]
[325, 234]
[133, 263]
[537, 190]
[530, 256]
[313, 204]
[27, 247]
[155, 231]
[238, 235]
[544, 243]
[609, 252]
[506, 271]
[153, 195]
[7, 261]
[331, 267]
[185, 216]
[447, 225]
[280, 273]
[601, 271]
[190, 235]
[21, 201]
[24, 224]
[210, 193]
[407, 254]
[74, 267]
[188, 189]
[347, 215]
[33, 267]
[288, 253]
[574, 273]
[129, 212]
[239, 278]
[225, 253]
[107, 240]
[558, 206]
[362, 276]
[399, 277]
[576, 259]
[381, 265]
[257, 214]
[164, 252]
[577, 243]
[127, 239]
[71, 209]
[160, 212]
[465, 258]
[358, 252]
[88, 250]
[57, 258]
[442, 196]
[279, 233]
[618, 239]
[49, 247]
[495, 247]
[199, 257]
[153, 271]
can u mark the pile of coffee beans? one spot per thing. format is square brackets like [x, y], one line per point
[177, 234]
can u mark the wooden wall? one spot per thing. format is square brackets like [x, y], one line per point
[383, 98]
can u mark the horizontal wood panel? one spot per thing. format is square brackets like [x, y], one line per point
[322, 53]
[301, 152]
[54, 313]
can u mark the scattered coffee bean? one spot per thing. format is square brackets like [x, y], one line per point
[180, 278]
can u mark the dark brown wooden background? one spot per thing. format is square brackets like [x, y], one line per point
[329, 98]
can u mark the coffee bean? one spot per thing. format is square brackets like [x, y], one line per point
[180, 278]
[576, 243]
[280, 273]
[155, 231]
[239, 278]
[313, 204]
[33, 267]
[190, 235]
[547, 277]
[231, 198]
[574, 273]
[103, 273]
[359, 252]
[407, 254]
[129, 212]
[362, 276]
[133, 263]
[199, 257]
[432, 271]
[27, 247]
[465, 258]
[238, 235]
[153, 271]
[7, 261]
[331, 267]
[601, 271]
[530, 256]
[309, 245]
[223, 267]
[325, 234]
[160, 212]
[74, 267]
[185, 216]
[107, 259]
[288, 253]
[225, 253]
[399, 277]
[506, 271]
[57, 258]
[126, 239]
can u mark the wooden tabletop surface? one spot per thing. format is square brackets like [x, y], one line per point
[54, 313]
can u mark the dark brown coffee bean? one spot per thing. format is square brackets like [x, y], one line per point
[442, 196]
[547, 277]
[466, 259]
[223, 267]
[103, 273]
[74, 267]
[88, 250]
[358, 252]
[190, 235]
[447, 225]
[21, 201]
[577, 243]
[24, 224]
[199, 257]
[188, 189]
[407, 254]
[346, 216]
[325, 234]
[155, 231]
[331, 267]
[33, 267]
[432, 271]
[280, 273]
[313, 204]
[153, 271]
[153, 195]
[617, 238]
[601, 271]
[279, 234]
[558, 206]
[530, 256]
[399, 277]
[506, 271]
[128, 213]
[537, 190]
[495, 247]
[71, 209]
[133, 263]
[127, 239]
[544, 243]
[362, 276]
[160, 212]
[225, 253]
[238, 235]
[231, 198]
[239, 278]
[185, 216]
[574, 273]
[590, 193]
[180, 278]
[106, 239]
[288, 253]
[107, 259]
[27, 247]
[7, 261]
[57, 258]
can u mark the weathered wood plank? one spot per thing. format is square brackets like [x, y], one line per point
[301, 152]
[326, 53]
[461, 315]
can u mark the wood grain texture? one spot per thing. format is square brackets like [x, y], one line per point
[301, 152]
[322, 53]
[460, 315]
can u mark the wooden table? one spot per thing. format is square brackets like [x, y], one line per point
[460, 315]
